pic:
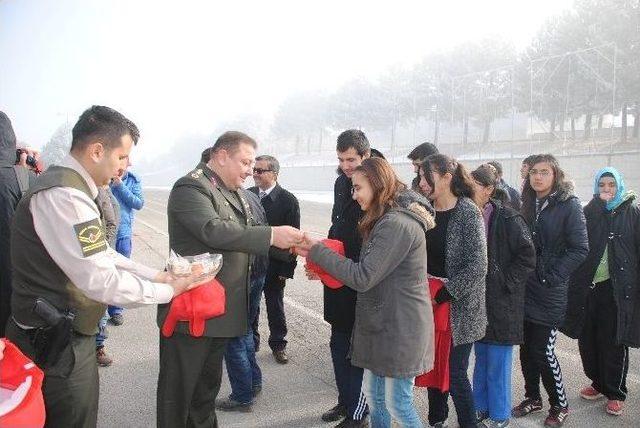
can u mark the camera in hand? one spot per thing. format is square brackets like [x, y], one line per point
[31, 161]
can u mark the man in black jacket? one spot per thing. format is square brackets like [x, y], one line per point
[282, 208]
[514, 195]
[339, 304]
[417, 157]
[14, 179]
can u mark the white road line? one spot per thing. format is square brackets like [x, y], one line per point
[155, 229]
[304, 310]
[147, 209]
[151, 201]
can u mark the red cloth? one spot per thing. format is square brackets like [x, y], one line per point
[195, 307]
[439, 376]
[337, 247]
[16, 370]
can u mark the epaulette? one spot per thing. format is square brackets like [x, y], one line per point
[196, 173]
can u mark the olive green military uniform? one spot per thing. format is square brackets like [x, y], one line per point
[205, 216]
[59, 254]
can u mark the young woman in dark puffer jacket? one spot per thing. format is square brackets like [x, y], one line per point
[457, 253]
[557, 224]
[512, 258]
[603, 312]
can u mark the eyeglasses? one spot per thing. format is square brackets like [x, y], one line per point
[258, 171]
[541, 173]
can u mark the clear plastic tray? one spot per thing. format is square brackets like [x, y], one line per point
[202, 265]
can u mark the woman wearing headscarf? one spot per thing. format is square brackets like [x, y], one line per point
[604, 294]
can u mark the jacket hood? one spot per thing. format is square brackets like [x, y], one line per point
[620, 192]
[7, 142]
[418, 207]
[565, 191]
[131, 176]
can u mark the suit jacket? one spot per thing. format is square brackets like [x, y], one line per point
[205, 216]
[282, 209]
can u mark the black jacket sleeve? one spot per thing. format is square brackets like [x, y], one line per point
[292, 218]
[577, 245]
[524, 253]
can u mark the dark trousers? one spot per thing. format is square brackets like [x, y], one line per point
[70, 388]
[460, 389]
[605, 362]
[274, 300]
[123, 246]
[538, 360]
[348, 377]
[189, 380]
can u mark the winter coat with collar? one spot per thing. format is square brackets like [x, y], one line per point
[618, 231]
[281, 208]
[129, 196]
[560, 237]
[10, 195]
[466, 268]
[512, 257]
[393, 333]
[340, 304]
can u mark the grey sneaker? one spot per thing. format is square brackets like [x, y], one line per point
[117, 319]
[490, 423]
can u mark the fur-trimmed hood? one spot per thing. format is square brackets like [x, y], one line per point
[418, 207]
[565, 191]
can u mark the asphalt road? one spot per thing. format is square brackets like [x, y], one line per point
[295, 394]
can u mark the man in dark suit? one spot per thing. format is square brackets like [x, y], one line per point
[282, 208]
[207, 213]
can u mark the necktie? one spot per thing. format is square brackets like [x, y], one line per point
[262, 194]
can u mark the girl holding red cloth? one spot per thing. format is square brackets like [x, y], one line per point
[457, 251]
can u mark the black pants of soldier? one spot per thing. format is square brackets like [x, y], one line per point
[189, 380]
[274, 301]
[538, 360]
[70, 387]
[605, 362]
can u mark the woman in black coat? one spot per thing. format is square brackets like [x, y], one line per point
[604, 294]
[512, 257]
[556, 221]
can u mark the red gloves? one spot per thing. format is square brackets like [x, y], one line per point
[337, 247]
[195, 307]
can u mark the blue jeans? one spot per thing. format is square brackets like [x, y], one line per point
[123, 246]
[348, 377]
[388, 398]
[102, 335]
[240, 355]
[492, 380]
[460, 389]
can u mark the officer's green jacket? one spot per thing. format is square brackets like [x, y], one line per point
[204, 216]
